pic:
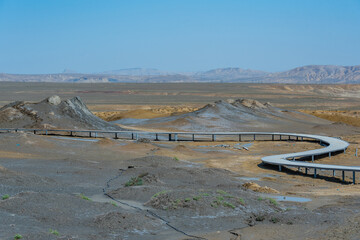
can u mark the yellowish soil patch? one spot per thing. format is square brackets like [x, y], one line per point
[105, 141]
[347, 117]
[145, 113]
[257, 188]
[8, 154]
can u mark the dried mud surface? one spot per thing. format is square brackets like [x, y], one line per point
[201, 188]
[164, 190]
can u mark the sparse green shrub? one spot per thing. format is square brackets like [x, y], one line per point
[220, 198]
[229, 196]
[158, 194]
[241, 201]
[55, 232]
[205, 194]
[134, 181]
[114, 204]
[221, 192]
[227, 204]
[274, 220]
[18, 236]
[216, 203]
[273, 201]
[176, 159]
[260, 218]
[6, 196]
[197, 198]
[187, 199]
[84, 197]
[260, 199]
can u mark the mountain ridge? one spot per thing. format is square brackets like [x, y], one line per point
[309, 74]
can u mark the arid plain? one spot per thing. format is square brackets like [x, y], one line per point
[180, 190]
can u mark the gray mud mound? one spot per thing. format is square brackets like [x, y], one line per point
[126, 222]
[52, 113]
[234, 115]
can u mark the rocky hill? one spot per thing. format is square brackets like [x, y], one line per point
[317, 74]
[136, 72]
[52, 113]
[229, 74]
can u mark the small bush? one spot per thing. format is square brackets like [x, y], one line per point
[158, 194]
[227, 204]
[134, 181]
[216, 203]
[114, 204]
[187, 199]
[274, 220]
[197, 198]
[55, 232]
[84, 197]
[220, 198]
[222, 192]
[6, 196]
[273, 201]
[229, 196]
[176, 159]
[241, 201]
[18, 236]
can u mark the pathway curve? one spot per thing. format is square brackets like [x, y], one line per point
[333, 145]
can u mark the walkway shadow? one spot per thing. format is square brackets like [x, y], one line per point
[310, 174]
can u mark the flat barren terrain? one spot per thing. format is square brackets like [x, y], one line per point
[72, 187]
[130, 96]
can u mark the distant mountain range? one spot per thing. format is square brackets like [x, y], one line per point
[312, 74]
[137, 72]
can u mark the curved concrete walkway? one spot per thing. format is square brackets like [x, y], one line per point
[290, 159]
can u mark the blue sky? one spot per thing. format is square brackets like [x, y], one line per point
[47, 36]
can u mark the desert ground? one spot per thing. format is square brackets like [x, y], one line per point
[62, 187]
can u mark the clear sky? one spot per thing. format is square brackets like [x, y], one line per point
[47, 36]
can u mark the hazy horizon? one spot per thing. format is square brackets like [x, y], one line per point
[42, 36]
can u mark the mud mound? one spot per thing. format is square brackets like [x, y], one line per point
[250, 103]
[24, 179]
[105, 141]
[181, 148]
[52, 113]
[117, 221]
[257, 188]
[232, 115]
